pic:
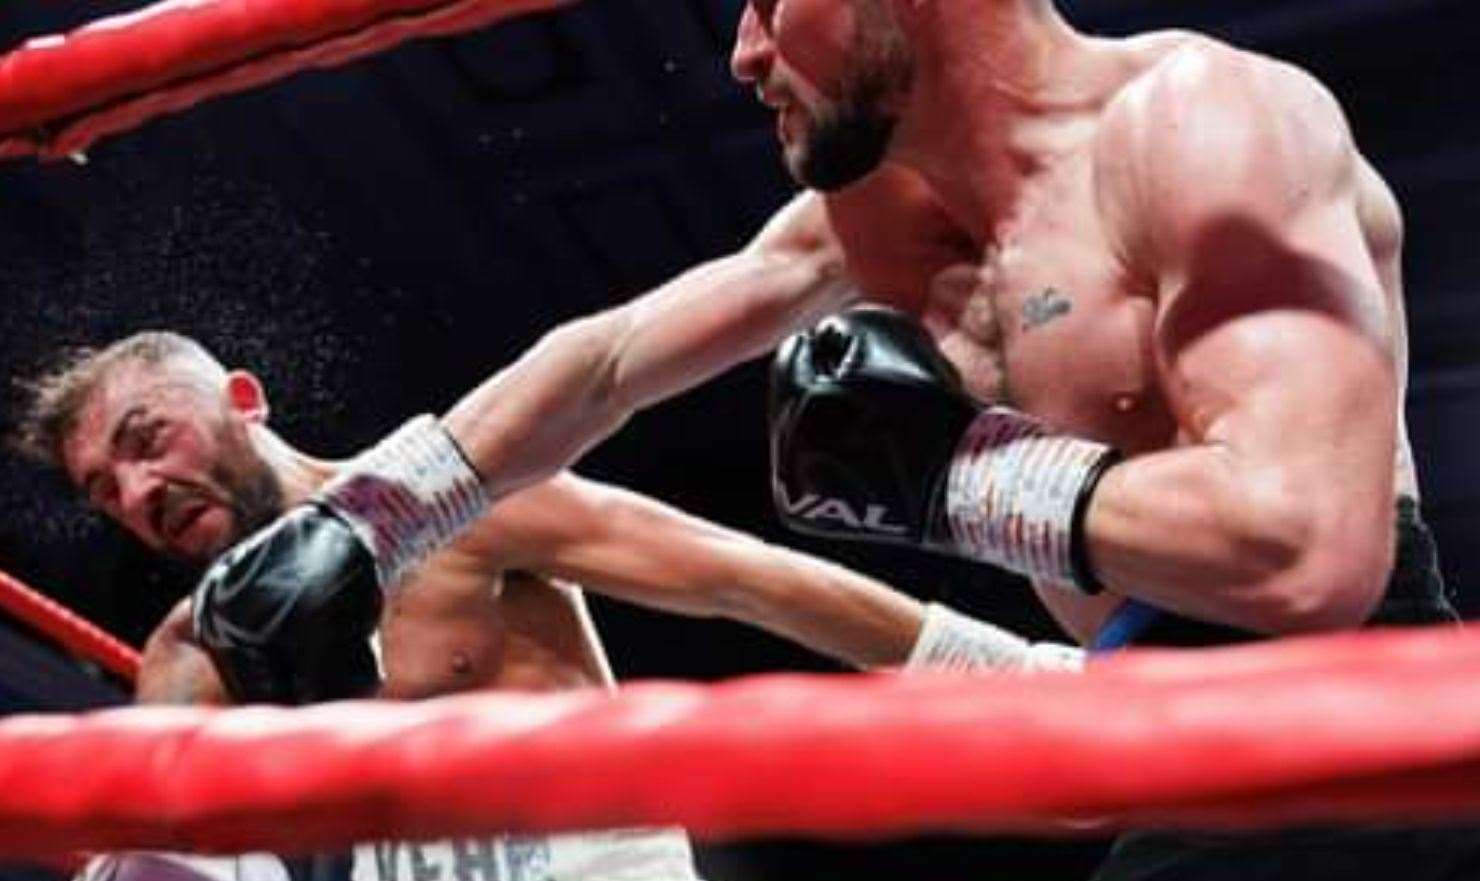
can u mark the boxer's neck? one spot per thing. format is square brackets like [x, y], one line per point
[299, 474]
[994, 83]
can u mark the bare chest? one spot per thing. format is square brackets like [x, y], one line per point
[1049, 323]
[453, 630]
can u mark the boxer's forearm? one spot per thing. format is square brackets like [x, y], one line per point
[826, 608]
[1194, 531]
[582, 381]
[717, 316]
[642, 551]
[830, 609]
[540, 413]
[186, 676]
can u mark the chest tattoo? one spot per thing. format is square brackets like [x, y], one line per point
[1041, 308]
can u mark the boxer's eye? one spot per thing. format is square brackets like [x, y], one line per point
[154, 438]
[143, 439]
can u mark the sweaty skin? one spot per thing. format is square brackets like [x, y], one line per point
[1160, 242]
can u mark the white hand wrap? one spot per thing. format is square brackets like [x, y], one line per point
[1015, 495]
[952, 641]
[407, 496]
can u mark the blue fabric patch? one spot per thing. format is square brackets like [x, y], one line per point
[1126, 623]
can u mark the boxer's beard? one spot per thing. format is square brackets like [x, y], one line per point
[849, 142]
[844, 147]
[253, 491]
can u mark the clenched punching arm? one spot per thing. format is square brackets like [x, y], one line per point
[1274, 334]
[288, 612]
[639, 550]
[874, 438]
[586, 378]
[635, 549]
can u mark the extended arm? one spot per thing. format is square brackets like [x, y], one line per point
[287, 613]
[584, 379]
[1239, 200]
[639, 550]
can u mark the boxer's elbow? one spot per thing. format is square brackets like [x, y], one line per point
[1314, 569]
[1341, 578]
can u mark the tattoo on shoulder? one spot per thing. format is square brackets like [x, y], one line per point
[1045, 306]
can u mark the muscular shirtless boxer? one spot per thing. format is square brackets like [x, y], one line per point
[1148, 243]
[1162, 255]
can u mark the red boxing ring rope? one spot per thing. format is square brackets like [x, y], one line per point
[60, 94]
[68, 629]
[1365, 727]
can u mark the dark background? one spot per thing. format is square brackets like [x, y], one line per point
[376, 239]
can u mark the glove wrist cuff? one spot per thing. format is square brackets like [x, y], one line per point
[1016, 496]
[407, 497]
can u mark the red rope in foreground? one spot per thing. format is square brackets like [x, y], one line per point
[67, 628]
[1349, 728]
[60, 94]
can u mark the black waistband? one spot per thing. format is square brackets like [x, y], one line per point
[1415, 593]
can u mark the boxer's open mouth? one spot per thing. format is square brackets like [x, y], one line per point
[178, 519]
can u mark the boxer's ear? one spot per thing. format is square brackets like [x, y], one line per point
[245, 395]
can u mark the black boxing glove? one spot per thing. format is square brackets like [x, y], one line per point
[873, 437]
[287, 614]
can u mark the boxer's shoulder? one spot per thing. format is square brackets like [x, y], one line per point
[1190, 63]
[1196, 87]
[1210, 134]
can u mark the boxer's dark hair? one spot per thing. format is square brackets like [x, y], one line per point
[55, 397]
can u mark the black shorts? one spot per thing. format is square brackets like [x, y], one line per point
[1439, 854]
